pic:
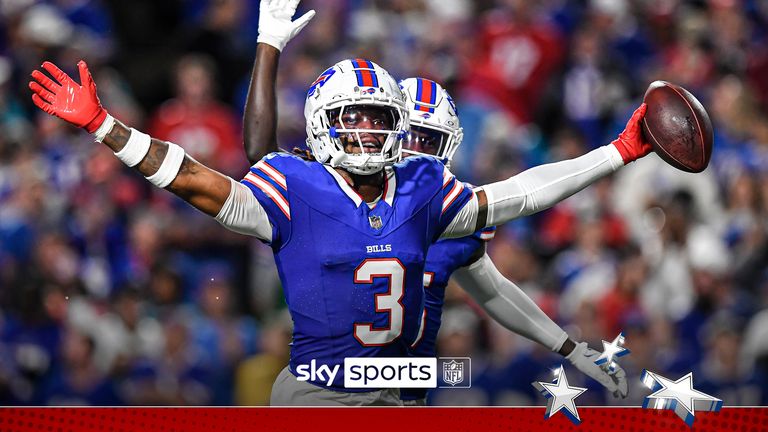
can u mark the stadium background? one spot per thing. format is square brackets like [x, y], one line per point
[115, 293]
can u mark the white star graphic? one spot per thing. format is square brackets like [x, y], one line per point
[560, 395]
[611, 350]
[679, 396]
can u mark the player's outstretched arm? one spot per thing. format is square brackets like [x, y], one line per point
[506, 303]
[202, 187]
[543, 186]
[260, 119]
[164, 164]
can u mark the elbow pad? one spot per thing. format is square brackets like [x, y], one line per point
[243, 214]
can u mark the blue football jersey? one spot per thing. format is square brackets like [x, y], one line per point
[353, 275]
[443, 258]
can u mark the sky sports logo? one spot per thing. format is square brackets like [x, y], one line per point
[393, 372]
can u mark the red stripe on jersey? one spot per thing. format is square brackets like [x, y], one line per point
[272, 173]
[452, 195]
[271, 192]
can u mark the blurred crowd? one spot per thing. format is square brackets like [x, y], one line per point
[113, 292]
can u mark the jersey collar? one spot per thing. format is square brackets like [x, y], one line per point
[388, 193]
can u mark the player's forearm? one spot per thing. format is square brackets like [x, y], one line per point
[202, 187]
[506, 303]
[541, 187]
[260, 119]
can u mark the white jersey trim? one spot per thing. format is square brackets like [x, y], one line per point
[354, 196]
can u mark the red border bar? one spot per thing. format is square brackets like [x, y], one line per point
[357, 419]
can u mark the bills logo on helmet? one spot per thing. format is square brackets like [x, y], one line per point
[320, 80]
[452, 104]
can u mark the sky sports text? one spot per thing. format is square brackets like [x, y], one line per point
[392, 372]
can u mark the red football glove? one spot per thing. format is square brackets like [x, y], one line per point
[631, 143]
[66, 99]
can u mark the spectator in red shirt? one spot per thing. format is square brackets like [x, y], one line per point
[206, 128]
[518, 53]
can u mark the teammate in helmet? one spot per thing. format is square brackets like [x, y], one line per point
[434, 120]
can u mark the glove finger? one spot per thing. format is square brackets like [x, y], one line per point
[43, 105]
[85, 74]
[606, 380]
[56, 72]
[608, 383]
[40, 91]
[639, 113]
[621, 381]
[293, 4]
[302, 21]
[45, 81]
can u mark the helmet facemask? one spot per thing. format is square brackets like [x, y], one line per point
[366, 135]
[428, 140]
[356, 117]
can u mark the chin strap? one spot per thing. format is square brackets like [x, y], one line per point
[338, 159]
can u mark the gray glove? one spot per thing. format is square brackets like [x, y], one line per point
[614, 379]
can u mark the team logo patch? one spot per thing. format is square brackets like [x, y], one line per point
[375, 222]
[456, 372]
[452, 104]
[320, 81]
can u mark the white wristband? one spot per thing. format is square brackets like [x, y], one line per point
[169, 169]
[104, 129]
[135, 149]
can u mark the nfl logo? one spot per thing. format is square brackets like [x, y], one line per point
[375, 222]
[453, 372]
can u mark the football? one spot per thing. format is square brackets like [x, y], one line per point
[677, 126]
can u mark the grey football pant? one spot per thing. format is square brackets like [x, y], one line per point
[289, 391]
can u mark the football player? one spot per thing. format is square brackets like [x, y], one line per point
[435, 132]
[350, 231]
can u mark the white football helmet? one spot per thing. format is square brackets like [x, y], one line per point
[434, 122]
[349, 92]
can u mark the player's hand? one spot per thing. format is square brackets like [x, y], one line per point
[66, 99]
[631, 143]
[275, 25]
[614, 379]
